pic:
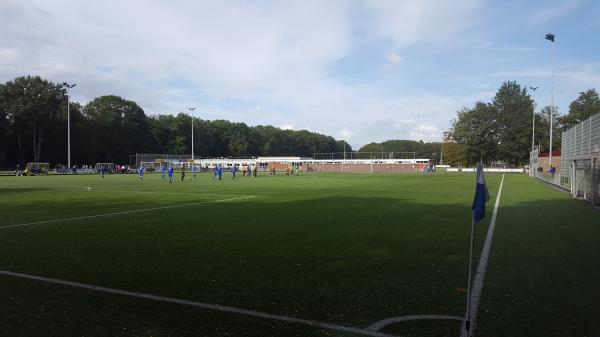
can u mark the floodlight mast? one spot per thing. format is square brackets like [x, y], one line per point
[550, 37]
[192, 116]
[67, 87]
[533, 124]
[344, 161]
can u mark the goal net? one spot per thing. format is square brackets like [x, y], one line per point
[37, 168]
[153, 166]
[108, 167]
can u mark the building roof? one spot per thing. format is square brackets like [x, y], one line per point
[547, 154]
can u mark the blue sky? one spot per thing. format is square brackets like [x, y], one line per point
[358, 70]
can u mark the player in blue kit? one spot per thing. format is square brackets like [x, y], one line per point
[233, 170]
[194, 170]
[141, 172]
[170, 174]
[163, 170]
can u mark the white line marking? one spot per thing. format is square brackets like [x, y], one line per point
[481, 267]
[207, 306]
[162, 192]
[383, 323]
[127, 212]
[50, 188]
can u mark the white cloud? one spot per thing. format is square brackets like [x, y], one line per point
[9, 55]
[574, 73]
[406, 22]
[345, 134]
[256, 62]
[425, 132]
[287, 127]
[551, 11]
[393, 59]
[488, 45]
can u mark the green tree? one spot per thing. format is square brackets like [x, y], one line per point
[587, 104]
[119, 128]
[514, 109]
[5, 141]
[477, 130]
[454, 154]
[402, 149]
[110, 128]
[542, 129]
[56, 151]
[30, 106]
[497, 131]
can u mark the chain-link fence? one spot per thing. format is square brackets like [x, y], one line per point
[580, 165]
[351, 155]
[154, 160]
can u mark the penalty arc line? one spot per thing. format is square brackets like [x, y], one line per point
[481, 268]
[208, 306]
[126, 212]
[383, 323]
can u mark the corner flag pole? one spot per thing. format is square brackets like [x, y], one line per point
[477, 213]
[472, 246]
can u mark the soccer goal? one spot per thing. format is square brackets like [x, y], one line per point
[586, 179]
[153, 166]
[108, 167]
[35, 169]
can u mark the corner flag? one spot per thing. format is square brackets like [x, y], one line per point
[481, 195]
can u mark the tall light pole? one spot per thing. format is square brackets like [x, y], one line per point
[67, 87]
[344, 161]
[192, 115]
[35, 99]
[533, 125]
[550, 37]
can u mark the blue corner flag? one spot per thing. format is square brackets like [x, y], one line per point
[481, 195]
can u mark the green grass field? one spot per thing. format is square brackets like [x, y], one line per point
[348, 250]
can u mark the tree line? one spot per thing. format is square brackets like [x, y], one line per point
[33, 127]
[501, 130]
[405, 149]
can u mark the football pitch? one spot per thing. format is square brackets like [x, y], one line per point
[309, 255]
